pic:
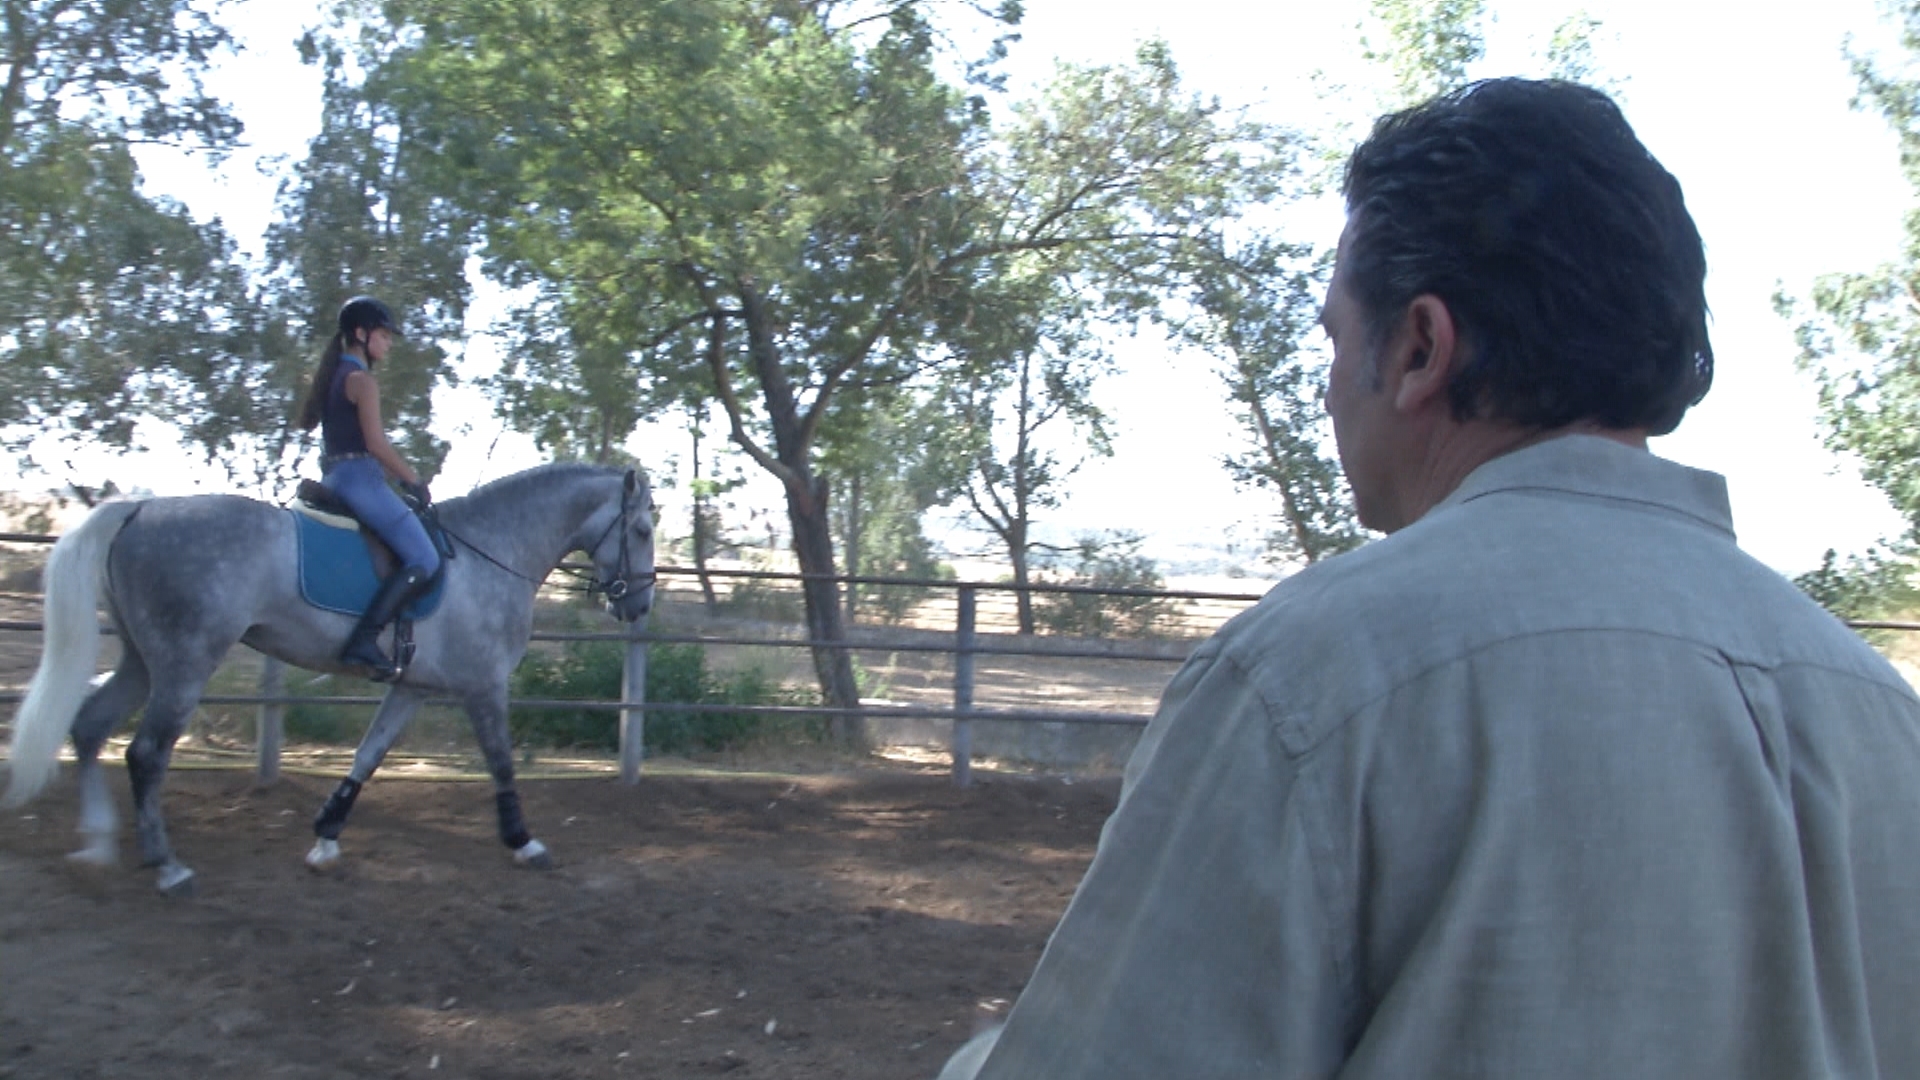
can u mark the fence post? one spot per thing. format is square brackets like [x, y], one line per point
[270, 728]
[963, 645]
[633, 718]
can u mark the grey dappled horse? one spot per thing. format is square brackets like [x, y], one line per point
[185, 578]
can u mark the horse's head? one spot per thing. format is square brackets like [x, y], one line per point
[623, 556]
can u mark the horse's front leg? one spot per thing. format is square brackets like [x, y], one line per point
[488, 712]
[389, 721]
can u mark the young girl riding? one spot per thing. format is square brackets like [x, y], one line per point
[344, 402]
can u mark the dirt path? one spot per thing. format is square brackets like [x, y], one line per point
[853, 925]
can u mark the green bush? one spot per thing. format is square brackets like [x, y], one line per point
[1114, 562]
[331, 725]
[765, 599]
[594, 670]
[1878, 584]
[890, 604]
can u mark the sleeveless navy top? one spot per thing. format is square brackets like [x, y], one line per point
[340, 432]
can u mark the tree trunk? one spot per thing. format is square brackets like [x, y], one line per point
[701, 540]
[1018, 553]
[1303, 536]
[813, 547]
[852, 553]
[808, 511]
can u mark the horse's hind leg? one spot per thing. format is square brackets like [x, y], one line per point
[389, 721]
[489, 715]
[168, 709]
[104, 710]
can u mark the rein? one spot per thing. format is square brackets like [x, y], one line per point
[613, 587]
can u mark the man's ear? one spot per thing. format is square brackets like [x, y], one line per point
[1429, 350]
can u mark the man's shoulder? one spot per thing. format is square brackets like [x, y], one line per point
[1350, 630]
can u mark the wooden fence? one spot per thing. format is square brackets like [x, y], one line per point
[1192, 614]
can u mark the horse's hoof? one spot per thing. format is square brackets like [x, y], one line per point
[324, 854]
[533, 854]
[175, 881]
[99, 852]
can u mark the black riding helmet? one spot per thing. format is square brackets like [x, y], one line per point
[366, 313]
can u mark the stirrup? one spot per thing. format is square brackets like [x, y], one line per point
[378, 668]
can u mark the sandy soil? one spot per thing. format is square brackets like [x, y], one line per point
[837, 918]
[854, 925]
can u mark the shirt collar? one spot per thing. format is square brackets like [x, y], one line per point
[1596, 467]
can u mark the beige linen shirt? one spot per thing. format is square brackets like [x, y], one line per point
[1555, 782]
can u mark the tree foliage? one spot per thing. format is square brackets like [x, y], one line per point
[1859, 332]
[360, 216]
[880, 451]
[782, 200]
[114, 305]
[1027, 362]
[1256, 311]
[1876, 585]
[1427, 44]
[1111, 562]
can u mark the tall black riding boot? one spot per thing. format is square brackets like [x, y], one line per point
[363, 646]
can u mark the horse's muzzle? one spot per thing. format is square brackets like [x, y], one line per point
[630, 605]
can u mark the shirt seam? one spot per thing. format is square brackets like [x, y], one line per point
[1293, 718]
[1323, 865]
[1670, 507]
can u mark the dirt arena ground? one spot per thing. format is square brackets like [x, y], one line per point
[826, 918]
[854, 924]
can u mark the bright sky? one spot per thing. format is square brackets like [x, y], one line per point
[1751, 113]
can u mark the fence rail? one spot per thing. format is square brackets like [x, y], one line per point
[964, 641]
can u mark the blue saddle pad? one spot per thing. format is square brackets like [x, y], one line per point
[336, 571]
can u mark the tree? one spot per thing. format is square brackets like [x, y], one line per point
[114, 305]
[1113, 562]
[708, 537]
[1255, 304]
[1569, 52]
[1255, 310]
[1861, 339]
[359, 216]
[1876, 585]
[878, 452]
[1029, 358]
[794, 185]
[1429, 44]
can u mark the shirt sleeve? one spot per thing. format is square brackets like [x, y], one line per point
[1197, 945]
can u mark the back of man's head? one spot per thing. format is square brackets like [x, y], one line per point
[1562, 249]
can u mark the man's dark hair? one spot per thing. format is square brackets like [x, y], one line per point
[1563, 250]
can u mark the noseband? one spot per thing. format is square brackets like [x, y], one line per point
[617, 587]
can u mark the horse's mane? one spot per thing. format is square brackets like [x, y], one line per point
[552, 472]
[496, 503]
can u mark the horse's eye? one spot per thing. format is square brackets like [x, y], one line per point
[645, 535]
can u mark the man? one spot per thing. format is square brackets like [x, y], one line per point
[1551, 781]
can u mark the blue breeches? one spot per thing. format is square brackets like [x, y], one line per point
[362, 484]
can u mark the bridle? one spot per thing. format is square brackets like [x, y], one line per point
[617, 587]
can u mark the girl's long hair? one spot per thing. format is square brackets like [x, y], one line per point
[315, 403]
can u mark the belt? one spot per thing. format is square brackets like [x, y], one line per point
[335, 459]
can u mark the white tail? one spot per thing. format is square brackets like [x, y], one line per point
[69, 651]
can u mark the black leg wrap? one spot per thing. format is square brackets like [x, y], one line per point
[333, 816]
[513, 830]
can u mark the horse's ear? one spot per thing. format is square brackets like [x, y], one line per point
[633, 481]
